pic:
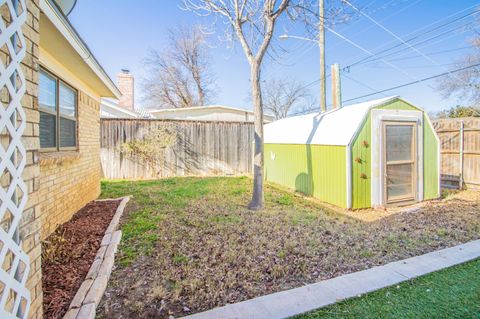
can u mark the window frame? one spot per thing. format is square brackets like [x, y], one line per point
[58, 116]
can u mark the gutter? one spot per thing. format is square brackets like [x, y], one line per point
[56, 16]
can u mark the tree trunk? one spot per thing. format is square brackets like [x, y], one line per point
[257, 197]
[201, 94]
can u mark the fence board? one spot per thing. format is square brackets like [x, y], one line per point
[203, 148]
[448, 131]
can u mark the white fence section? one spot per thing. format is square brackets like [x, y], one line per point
[14, 297]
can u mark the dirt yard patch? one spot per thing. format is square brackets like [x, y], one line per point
[190, 244]
[68, 253]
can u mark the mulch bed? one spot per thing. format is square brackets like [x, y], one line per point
[68, 253]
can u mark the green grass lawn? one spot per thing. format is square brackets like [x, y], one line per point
[450, 293]
[191, 244]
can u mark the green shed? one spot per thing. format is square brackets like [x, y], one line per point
[373, 154]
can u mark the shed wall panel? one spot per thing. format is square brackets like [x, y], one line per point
[398, 105]
[315, 170]
[361, 167]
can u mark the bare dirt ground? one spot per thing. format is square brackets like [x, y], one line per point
[190, 244]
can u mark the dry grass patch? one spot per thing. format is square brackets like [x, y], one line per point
[190, 244]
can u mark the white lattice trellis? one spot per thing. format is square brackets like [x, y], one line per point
[14, 297]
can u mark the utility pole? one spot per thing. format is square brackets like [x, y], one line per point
[321, 44]
[336, 87]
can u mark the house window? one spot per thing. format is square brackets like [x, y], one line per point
[58, 113]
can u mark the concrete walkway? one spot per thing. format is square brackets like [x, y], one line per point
[296, 301]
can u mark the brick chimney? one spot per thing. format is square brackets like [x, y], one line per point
[125, 85]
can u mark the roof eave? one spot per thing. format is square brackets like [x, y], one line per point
[60, 21]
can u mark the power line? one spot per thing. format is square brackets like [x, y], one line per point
[398, 59]
[397, 12]
[393, 60]
[391, 33]
[402, 85]
[414, 82]
[369, 52]
[375, 57]
[428, 39]
[416, 66]
[366, 59]
[369, 59]
[432, 53]
[311, 109]
[428, 31]
[359, 83]
[402, 71]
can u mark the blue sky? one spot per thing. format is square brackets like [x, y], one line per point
[120, 34]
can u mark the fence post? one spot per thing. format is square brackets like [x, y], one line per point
[460, 179]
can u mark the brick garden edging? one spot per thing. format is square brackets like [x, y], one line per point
[91, 291]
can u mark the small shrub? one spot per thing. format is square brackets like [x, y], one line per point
[442, 232]
[365, 253]
[151, 149]
[448, 193]
[53, 249]
[286, 200]
[179, 259]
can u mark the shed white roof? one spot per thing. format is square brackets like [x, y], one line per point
[335, 127]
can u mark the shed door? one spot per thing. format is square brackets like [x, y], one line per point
[400, 169]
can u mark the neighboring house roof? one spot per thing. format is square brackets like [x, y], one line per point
[75, 53]
[335, 127]
[144, 113]
[111, 109]
[197, 109]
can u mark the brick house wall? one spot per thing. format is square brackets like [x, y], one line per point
[59, 184]
[69, 180]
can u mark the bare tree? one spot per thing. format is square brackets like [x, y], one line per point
[179, 76]
[252, 23]
[464, 84]
[281, 97]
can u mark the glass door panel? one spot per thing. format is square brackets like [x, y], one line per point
[400, 164]
[399, 142]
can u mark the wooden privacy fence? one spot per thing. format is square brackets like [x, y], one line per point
[200, 148]
[460, 151]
